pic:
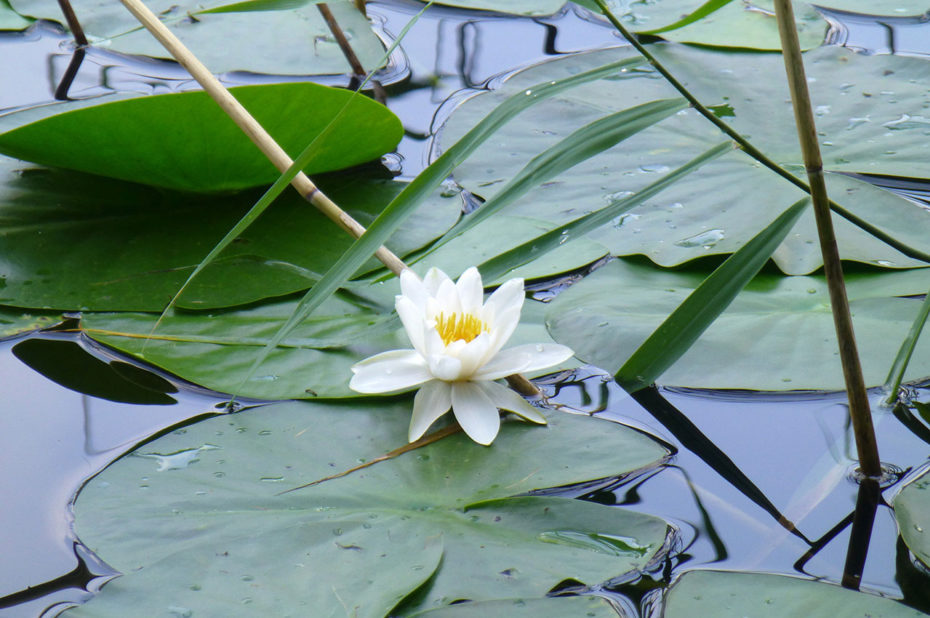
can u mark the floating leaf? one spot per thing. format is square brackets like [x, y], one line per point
[735, 595]
[184, 141]
[214, 536]
[912, 510]
[14, 322]
[76, 242]
[717, 208]
[217, 350]
[10, 19]
[777, 334]
[552, 607]
[286, 38]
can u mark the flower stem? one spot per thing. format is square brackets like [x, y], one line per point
[859, 408]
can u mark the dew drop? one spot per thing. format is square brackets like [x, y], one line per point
[706, 239]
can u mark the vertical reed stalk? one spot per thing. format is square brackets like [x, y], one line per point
[859, 409]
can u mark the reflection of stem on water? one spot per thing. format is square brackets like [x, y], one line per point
[695, 441]
[61, 92]
[861, 534]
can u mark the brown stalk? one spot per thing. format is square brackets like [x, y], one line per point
[859, 408]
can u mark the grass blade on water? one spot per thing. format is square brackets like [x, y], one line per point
[683, 327]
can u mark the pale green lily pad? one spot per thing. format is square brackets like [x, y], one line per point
[912, 510]
[184, 141]
[210, 531]
[734, 25]
[289, 38]
[777, 334]
[74, 242]
[719, 207]
[735, 595]
[10, 19]
[503, 232]
[14, 322]
[218, 350]
[554, 607]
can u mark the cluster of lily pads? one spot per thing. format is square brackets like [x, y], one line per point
[109, 204]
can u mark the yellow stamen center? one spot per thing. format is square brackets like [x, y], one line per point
[459, 326]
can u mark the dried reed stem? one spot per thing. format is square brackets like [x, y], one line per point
[859, 408]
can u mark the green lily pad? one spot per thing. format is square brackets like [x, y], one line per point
[912, 510]
[194, 520]
[217, 350]
[184, 141]
[503, 232]
[734, 25]
[554, 607]
[10, 19]
[76, 242]
[725, 594]
[719, 207]
[777, 334]
[287, 37]
[14, 322]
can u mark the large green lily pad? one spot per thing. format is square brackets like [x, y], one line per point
[912, 510]
[76, 242]
[777, 334]
[736, 595]
[194, 519]
[217, 350]
[184, 141]
[719, 207]
[287, 37]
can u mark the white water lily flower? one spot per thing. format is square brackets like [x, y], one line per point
[457, 356]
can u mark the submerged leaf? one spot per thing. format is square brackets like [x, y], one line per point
[184, 141]
[209, 535]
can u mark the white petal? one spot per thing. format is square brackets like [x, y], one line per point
[473, 354]
[432, 401]
[414, 322]
[475, 412]
[413, 288]
[507, 399]
[445, 367]
[503, 328]
[447, 297]
[433, 279]
[389, 371]
[510, 294]
[503, 364]
[528, 357]
[471, 292]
